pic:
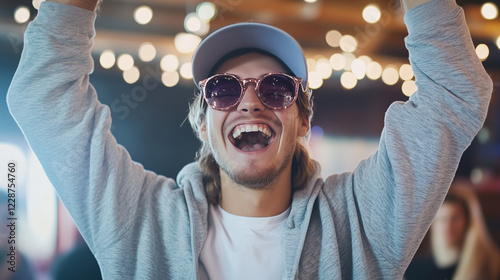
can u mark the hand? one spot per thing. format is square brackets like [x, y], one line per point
[85, 4]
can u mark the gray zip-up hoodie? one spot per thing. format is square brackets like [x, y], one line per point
[366, 224]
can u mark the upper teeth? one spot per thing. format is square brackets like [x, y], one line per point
[251, 128]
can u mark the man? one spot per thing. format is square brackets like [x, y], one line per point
[253, 206]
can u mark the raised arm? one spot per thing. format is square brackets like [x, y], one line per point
[67, 127]
[398, 190]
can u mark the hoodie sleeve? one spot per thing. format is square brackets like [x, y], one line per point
[57, 109]
[398, 190]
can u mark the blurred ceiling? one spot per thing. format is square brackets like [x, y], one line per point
[307, 22]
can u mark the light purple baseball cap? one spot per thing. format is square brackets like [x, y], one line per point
[249, 35]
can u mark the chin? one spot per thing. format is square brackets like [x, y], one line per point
[254, 178]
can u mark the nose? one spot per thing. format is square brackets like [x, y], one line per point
[250, 102]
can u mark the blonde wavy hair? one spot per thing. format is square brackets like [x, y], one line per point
[480, 257]
[302, 164]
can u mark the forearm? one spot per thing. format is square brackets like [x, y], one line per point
[90, 5]
[67, 127]
[409, 4]
[424, 138]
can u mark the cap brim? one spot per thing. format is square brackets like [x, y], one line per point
[248, 35]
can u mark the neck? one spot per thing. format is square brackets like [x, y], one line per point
[265, 201]
[446, 256]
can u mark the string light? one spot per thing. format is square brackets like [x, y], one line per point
[337, 61]
[390, 75]
[348, 80]
[143, 15]
[21, 14]
[406, 72]
[489, 11]
[333, 38]
[186, 71]
[125, 62]
[366, 59]
[36, 3]
[373, 70]
[348, 43]
[193, 24]
[371, 14]
[186, 43]
[358, 68]
[315, 80]
[147, 52]
[311, 64]
[131, 75]
[498, 42]
[170, 62]
[349, 58]
[170, 78]
[482, 51]
[107, 59]
[206, 11]
[323, 68]
[408, 88]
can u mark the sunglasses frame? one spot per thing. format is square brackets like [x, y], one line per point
[243, 83]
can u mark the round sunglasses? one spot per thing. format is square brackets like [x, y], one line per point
[275, 90]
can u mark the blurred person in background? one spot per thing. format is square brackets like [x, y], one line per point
[76, 264]
[461, 247]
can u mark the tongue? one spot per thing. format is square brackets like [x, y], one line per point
[251, 148]
[252, 141]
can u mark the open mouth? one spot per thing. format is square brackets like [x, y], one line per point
[251, 137]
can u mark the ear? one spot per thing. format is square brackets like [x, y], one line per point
[303, 127]
[203, 132]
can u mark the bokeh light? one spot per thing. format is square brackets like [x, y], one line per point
[482, 51]
[323, 68]
[186, 43]
[371, 14]
[107, 59]
[405, 72]
[390, 75]
[170, 62]
[408, 88]
[489, 11]
[349, 58]
[193, 24]
[373, 70]
[186, 70]
[143, 15]
[337, 61]
[348, 43]
[206, 11]
[22, 14]
[358, 68]
[36, 3]
[170, 78]
[348, 80]
[147, 52]
[315, 80]
[131, 75]
[125, 62]
[333, 38]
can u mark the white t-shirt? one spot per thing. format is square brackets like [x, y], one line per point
[239, 247]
